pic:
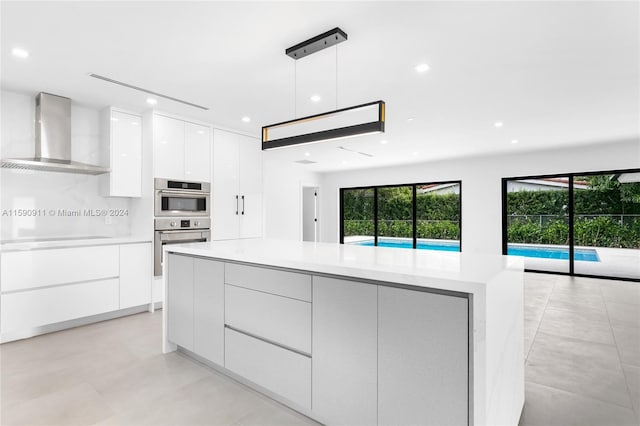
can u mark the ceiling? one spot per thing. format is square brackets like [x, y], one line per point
[554, 73]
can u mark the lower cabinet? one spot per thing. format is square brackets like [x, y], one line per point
[195, 306]
[34, 308]
[208, 310]
[346, 353]
[42, 287]
[423, 364]
[135, 275]
[345, 361]
[279, 370]
[180, 300]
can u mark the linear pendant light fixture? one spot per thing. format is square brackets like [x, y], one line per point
[338, 124]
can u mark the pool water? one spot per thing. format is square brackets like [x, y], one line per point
[586, 255]
[431, 245]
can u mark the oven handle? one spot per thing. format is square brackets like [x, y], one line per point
[243, 204]
[236, 205]
[182, 192]
[180, 235]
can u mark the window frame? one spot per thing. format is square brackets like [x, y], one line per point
[571, 205]
[414, 207]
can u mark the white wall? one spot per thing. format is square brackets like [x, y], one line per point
[481, 184]
[49, 191]
[283, 183]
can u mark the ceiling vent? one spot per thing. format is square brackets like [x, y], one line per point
[305, 162]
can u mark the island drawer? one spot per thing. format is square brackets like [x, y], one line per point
[283, 283]
[279, 370]
[279, 319]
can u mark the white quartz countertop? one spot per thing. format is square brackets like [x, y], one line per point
[462, 272]
[71, 241]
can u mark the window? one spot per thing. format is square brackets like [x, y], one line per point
[584, 224]
[423, 216]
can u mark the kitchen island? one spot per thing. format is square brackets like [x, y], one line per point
[349, 334]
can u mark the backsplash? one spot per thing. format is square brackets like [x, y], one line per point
[35, 204]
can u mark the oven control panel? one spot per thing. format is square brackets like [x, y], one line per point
[166, 224]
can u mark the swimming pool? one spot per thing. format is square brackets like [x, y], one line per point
[586, 255]
[423, 245]
[560, 253]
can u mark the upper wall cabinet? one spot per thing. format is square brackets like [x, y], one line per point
[123, 143]
[182, 150]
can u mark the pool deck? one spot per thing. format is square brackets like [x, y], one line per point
[614, 262]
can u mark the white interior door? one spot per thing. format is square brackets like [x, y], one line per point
[309, 213]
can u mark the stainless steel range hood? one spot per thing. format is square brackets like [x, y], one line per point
[53, 140]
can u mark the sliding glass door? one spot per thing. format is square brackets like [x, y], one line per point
[395, 216]
[438, 216]
[358, 212]
[425, 216]
[607, 225]
[538, 222]
[584, 224]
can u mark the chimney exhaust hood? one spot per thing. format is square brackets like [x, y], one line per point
[53, 140]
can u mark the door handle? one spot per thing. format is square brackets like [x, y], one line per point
[236, 204]
[243, 204]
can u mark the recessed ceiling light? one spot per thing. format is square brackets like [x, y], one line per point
[200, 132]
[151, 101]
[307, 154]
[344, 162]
[514, 141]
[414, 153]
[410, 119]
[134, 123]
[422, 67]
[384, 142]
[246, 119]
[315, 98]
[114, 119]
[498, 124]
[20, 53]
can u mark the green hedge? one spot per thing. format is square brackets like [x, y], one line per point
[438, 214]
[438, 230]
[600, 231]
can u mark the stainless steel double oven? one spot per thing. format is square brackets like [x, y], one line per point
[182, 215]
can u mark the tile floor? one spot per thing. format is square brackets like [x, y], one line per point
[582, 348]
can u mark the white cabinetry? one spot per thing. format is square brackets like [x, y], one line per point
[41, 288]
[135, 275]
[208, 310]
[277, 369]
[180, 300]
[122, 137]
[268, 335]
[423, 338]
[195, 304]
[34, 308]
[197, 152]
[182, 150]
[168, 147]
[345, 362]
[342, 351]
[236, 186]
